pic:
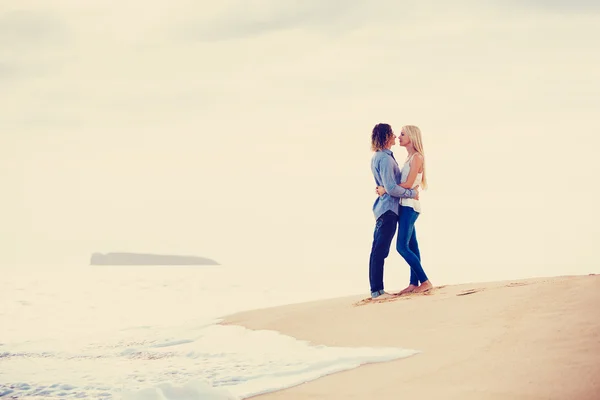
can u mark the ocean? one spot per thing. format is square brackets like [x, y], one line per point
[151, 332]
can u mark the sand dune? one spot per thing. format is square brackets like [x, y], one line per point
[527, 339]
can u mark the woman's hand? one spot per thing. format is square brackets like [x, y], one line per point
[380, 190]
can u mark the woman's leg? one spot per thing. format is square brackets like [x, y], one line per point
[413, 245]
[406, 235]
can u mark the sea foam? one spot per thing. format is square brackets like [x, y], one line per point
[153, 333]
[208, 362]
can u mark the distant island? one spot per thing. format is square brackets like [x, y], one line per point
[147, 259]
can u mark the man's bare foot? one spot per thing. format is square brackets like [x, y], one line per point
[424, 287]
[407, 289]
[384, 296]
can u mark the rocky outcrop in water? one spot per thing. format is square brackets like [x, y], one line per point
[147, 259]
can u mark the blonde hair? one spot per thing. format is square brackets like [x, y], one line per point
[414, 134]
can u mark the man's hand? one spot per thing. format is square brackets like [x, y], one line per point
[417, 190]
[380, 190]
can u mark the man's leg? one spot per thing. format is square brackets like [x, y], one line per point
[385, 228]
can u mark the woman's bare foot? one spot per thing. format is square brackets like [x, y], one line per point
[424, 287]
[407, 289]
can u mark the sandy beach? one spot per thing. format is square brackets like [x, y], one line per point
[527, 339]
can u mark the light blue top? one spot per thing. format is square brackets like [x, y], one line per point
[387, 174]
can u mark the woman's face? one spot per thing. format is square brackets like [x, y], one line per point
[403, 139]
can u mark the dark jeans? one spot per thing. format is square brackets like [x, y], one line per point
[407, 244]
[385, 228]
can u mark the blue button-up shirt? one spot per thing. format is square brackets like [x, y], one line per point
[387, 174]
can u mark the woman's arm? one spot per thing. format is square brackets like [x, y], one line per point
[380, 190]
[415, 166]
[388, 177]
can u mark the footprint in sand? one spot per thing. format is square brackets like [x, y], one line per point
[369, 300]
[469, 291]
[514, 284]
[433, 290]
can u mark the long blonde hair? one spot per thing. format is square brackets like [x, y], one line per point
[414, 134]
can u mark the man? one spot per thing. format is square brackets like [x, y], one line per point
[387, 174]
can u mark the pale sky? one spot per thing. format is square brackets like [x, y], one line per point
[240, 131]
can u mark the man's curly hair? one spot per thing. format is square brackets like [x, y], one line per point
[381, 135]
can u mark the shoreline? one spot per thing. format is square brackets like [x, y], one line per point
[533, 338]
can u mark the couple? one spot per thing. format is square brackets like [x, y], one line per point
[397, 205]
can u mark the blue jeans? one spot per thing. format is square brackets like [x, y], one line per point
[385, 228]
[407, 244]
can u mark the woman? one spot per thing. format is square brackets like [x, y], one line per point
[413, 175]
